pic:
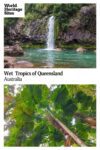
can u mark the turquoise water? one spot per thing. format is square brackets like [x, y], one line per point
[59, 59]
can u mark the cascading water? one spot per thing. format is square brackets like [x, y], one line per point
[50, 34]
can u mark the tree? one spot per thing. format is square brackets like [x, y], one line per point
[26, 114]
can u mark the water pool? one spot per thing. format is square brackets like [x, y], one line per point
[42, 58]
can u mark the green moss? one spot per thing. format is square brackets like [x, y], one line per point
[75, 46]
[63, 46]
[10, 22]
[30, 45]
[56, 31]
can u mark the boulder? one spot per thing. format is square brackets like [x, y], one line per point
[81, 49]
[9, 62]
[58, 49]
[23, 64]
[15, 50]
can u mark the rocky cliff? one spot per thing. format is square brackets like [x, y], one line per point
[82, 27]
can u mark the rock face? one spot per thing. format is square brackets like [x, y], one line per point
[81, 29]
[15, 50]
[34, 31]
[39, 26]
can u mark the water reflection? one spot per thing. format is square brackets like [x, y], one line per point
[50, 59]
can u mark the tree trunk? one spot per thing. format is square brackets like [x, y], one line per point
[59, 125]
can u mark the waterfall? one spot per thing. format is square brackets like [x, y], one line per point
[50, 34]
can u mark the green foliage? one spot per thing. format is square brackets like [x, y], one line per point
[65, 12]
[10, 22]
[27, 123]
[62, 13]
[6, 90]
